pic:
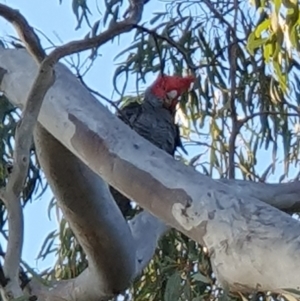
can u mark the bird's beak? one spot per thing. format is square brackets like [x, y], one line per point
[171, 100]
[191, 86]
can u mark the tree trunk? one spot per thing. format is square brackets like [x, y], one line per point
[251, 244]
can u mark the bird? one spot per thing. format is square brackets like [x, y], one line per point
[154, 119]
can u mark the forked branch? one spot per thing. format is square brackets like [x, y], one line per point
[23, 138]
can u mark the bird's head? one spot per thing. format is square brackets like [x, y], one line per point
[166, 91]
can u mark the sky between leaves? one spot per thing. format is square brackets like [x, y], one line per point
[58, 23]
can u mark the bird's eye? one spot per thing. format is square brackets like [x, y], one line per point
[172, 94]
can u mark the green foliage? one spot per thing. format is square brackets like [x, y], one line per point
[277, 36]
[179, 271]
[9, 117]
[34, 184]
[81, 11]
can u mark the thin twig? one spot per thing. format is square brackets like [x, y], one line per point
[182, 51]
[233, 67]
[247, 118]
[112, 103]
[156, 36]
[210, 5]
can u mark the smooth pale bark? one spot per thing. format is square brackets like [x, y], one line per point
[107, 243]
[117, 252]
[252, 245]
[284, 196]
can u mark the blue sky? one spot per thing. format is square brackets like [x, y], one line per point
[57, 22]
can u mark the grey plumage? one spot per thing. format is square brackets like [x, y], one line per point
[152, 119]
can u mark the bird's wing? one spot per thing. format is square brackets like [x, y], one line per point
[130, 113]
[154, 126]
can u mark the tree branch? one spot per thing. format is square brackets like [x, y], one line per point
[11, 193]
[135, 15]
[178, 47]
[94, 217]
[146, 230]
[25, 32]
[256, 114]
[284, 196]
[218, 15]
[245, 237]
[232, 57]
[43, 81]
